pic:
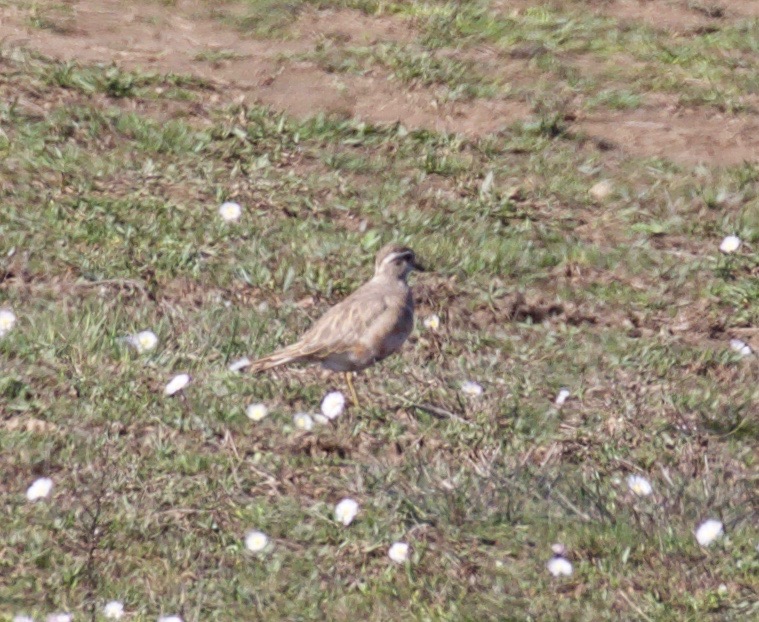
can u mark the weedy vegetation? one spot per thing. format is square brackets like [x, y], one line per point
[110, 185]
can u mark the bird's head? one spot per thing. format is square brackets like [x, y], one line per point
[396, 261]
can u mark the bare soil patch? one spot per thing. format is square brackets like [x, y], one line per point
[663, 129]
[185, 38]
[182, 40]
[354, 27]
[676, 16]
[301, 89]
[673, 16]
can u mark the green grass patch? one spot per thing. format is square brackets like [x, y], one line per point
[109, 225]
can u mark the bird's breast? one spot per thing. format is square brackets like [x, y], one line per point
[397, 335]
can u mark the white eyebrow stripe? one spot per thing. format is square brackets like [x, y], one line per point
[395, 255]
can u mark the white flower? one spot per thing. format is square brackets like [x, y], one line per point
[601, 190]
[144, 341]
[113, 610]
[398, 552]
[741, 347]
[256, 541]
[59, 617]
[239, 364]
[21, 617]
[562, 397]
[471, 388]
[303, 421]
[639, 485]
[559, 567]
[320, 419]
[176, 384]
[346, 511]
[256, 412]
[432, 322]
[558, 549]
[333, 404]
[7, 321]
[39, 489]
[730, 244]
[230, 211]
[170, 619]
[708, 531]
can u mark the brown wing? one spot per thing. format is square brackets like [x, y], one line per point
[338, 331]
[342, 327]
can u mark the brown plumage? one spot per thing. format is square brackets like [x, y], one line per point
[368, 326]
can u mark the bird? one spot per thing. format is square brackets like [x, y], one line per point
[366, 327]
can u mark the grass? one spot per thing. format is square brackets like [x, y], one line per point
[109, 225]
[582, 53]
[461, 79]
[567, 51]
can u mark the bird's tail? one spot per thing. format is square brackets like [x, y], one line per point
[284, 356]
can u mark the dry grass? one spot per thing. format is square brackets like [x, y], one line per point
[109, 225]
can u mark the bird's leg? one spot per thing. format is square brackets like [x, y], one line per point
[349, 380]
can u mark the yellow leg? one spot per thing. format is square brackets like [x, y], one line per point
[349, 380]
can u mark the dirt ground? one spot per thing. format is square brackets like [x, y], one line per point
[182, 38]
[563, 260]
